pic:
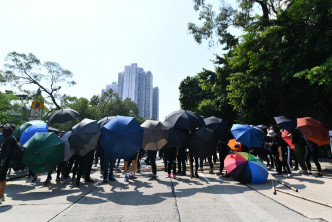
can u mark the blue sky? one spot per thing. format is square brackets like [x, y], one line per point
[96, 39]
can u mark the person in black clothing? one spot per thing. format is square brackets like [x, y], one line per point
[152, 160]
[170, 153]
[280, 153]
[223, 150]
[181, 161]
[84, 166]
[299, 144]
[312, 151]
[8, 143]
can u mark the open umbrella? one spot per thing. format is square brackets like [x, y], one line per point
[84, 137]
[155, 135]
[185, 120]
[234, 145]
[245, 168]
[285, 122]
[220, 127]
[68, 152]
[313, 130]
[43, 152]
[122, 137]
[63, 115]
[248, 135]
[31, 130]
[202, 143]
[104, 120]
[21, 128]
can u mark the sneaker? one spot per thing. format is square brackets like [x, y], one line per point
[153, 177]
[168, 175]
[174, 176]
[77, 184]
[126, 179]
[47, 182]
[277, 174]
[3, 198]
[225, 175]
[200, 169]
[211, 171]
[318, 175]
[289, 175]
[104, 181]
[111, 178]
[34, 180]
[196, 175]
[138, 171]
[132, 177]
[89, 180]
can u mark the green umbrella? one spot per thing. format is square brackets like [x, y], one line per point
[43, 152]
[21, 128]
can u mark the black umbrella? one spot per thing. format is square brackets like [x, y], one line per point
[285, 123]
[104, 120]
[84, 137]
[185, 120]
[63, 115]
[220, 127]
[202, 143]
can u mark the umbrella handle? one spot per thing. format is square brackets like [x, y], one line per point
[135, 165]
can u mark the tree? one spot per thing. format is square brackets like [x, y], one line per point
[22, 70]
[281, 65]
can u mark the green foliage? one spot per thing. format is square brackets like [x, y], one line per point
[282, 64]
[22, 70]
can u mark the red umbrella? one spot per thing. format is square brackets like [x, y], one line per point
[313, 130]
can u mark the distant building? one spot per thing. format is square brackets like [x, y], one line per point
[136, 84]
[155, 106]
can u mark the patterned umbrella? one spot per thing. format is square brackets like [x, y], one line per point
[245, 168]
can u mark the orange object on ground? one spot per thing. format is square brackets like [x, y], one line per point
[234, 145]
[313, 130]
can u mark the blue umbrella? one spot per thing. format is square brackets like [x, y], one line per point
[40, 127]
[122, 137]
[248, 135]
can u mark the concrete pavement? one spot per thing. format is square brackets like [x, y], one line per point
[208, 198]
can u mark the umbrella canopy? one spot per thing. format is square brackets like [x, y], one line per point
[248, 135]
[185, 120]
[285, 123]
[122, 137]
[21, 128]
[43, 152]
[245, 168]
[84, 137]
[262, 127]
[234, 145]
[313, 130]
[155, 135]
[220, 127]
[104, 120]
[31, 130]
[177, 137]
[68, 152]
[63, 115]
[202, 143]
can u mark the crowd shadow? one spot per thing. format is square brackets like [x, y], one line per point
[4, 208]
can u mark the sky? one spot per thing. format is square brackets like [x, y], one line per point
[96, 39]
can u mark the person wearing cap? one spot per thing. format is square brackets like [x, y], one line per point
[280, 152]
[8, 144]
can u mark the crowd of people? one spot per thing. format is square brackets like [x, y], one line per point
[282, 150]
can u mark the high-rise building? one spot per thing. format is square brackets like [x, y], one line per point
[136, 84]
[155, 103]
[148, 95]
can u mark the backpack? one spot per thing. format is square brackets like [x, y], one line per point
[16, 160]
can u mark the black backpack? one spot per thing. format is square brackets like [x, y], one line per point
[16, 160]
